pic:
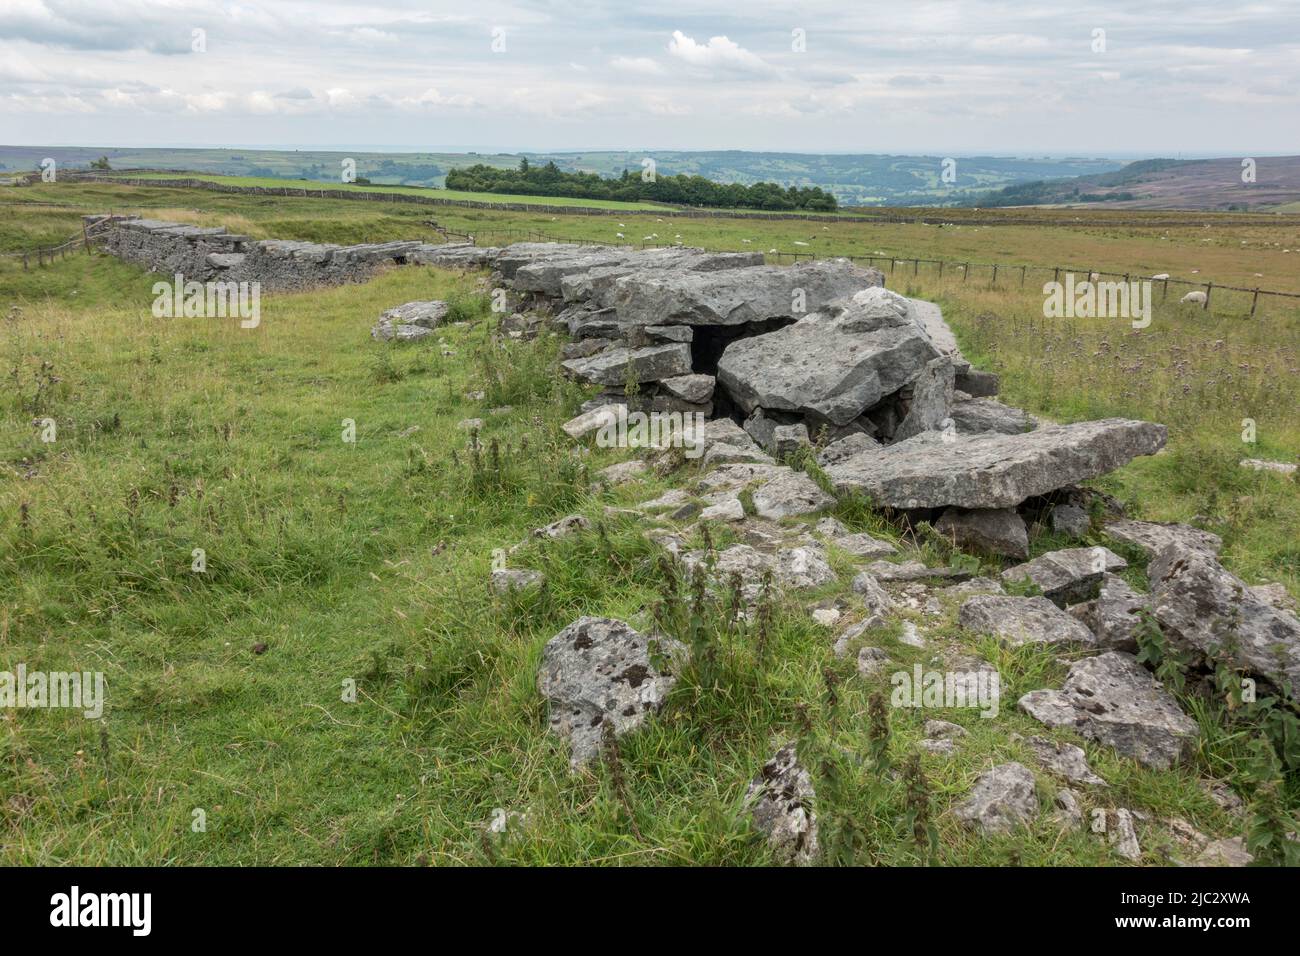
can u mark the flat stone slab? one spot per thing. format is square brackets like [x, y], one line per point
[1021, 620]
[648, 364]
[735, 296]
[833, 364]
[933, 470]
[1152, 537]
[1115, 701]
[1067, 576]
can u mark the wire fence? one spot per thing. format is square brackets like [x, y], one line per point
[998, 274]
[43, 255]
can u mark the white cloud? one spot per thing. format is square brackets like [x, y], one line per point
[719, 53]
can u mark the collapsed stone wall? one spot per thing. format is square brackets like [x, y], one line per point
[211, 254]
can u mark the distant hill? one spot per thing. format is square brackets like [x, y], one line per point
[854, 180]
[1208, 184]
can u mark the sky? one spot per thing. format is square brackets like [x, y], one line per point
[1089, 77]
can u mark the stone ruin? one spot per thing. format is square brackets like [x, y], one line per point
[821, 355]
[818, 354]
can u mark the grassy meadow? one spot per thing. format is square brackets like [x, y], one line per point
[334, 564]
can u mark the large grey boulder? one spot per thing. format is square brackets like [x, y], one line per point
[697, 389]
[931, 401]
[1067, 576]
[1204, 609]
[648, 364]
[735, 296]
[544, 273]
[410, 321]
[978, 416]
[992, 470]
[833, 364]
[845, 448]
[781, 799]
[1113, 700]
[1021, 620]
[595, 284]
[1114, 616]
[512, 258]
[999, 531]
[1152, 537]
[1002, 799]
[596, 671]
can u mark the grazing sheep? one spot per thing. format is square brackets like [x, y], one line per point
[799, 243]
[746, 240]
[1193, 297]
[1094, 276]
[1161, 275]
[621, 236]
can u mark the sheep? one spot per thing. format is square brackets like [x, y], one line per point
[746, 240]
[1197, 298]
[1161, 275]
[1094, 276]
[621, 236]
[799, 243]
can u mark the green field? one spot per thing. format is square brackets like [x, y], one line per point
[330, 561]
[450, 194]
[854, 179]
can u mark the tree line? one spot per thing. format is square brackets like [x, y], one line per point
[682, 190]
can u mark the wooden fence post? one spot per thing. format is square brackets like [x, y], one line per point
[1022, 277]
[1254, 301]
[994, 281]
[965, 272]
[940, 268]
[1209, 287]
[916, 264]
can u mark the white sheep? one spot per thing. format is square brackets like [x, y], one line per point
[747, 240]
[799, 243]
[1197, 298]
[621, 236]
[1161, 275]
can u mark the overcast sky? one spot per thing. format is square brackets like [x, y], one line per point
[1193, 77]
